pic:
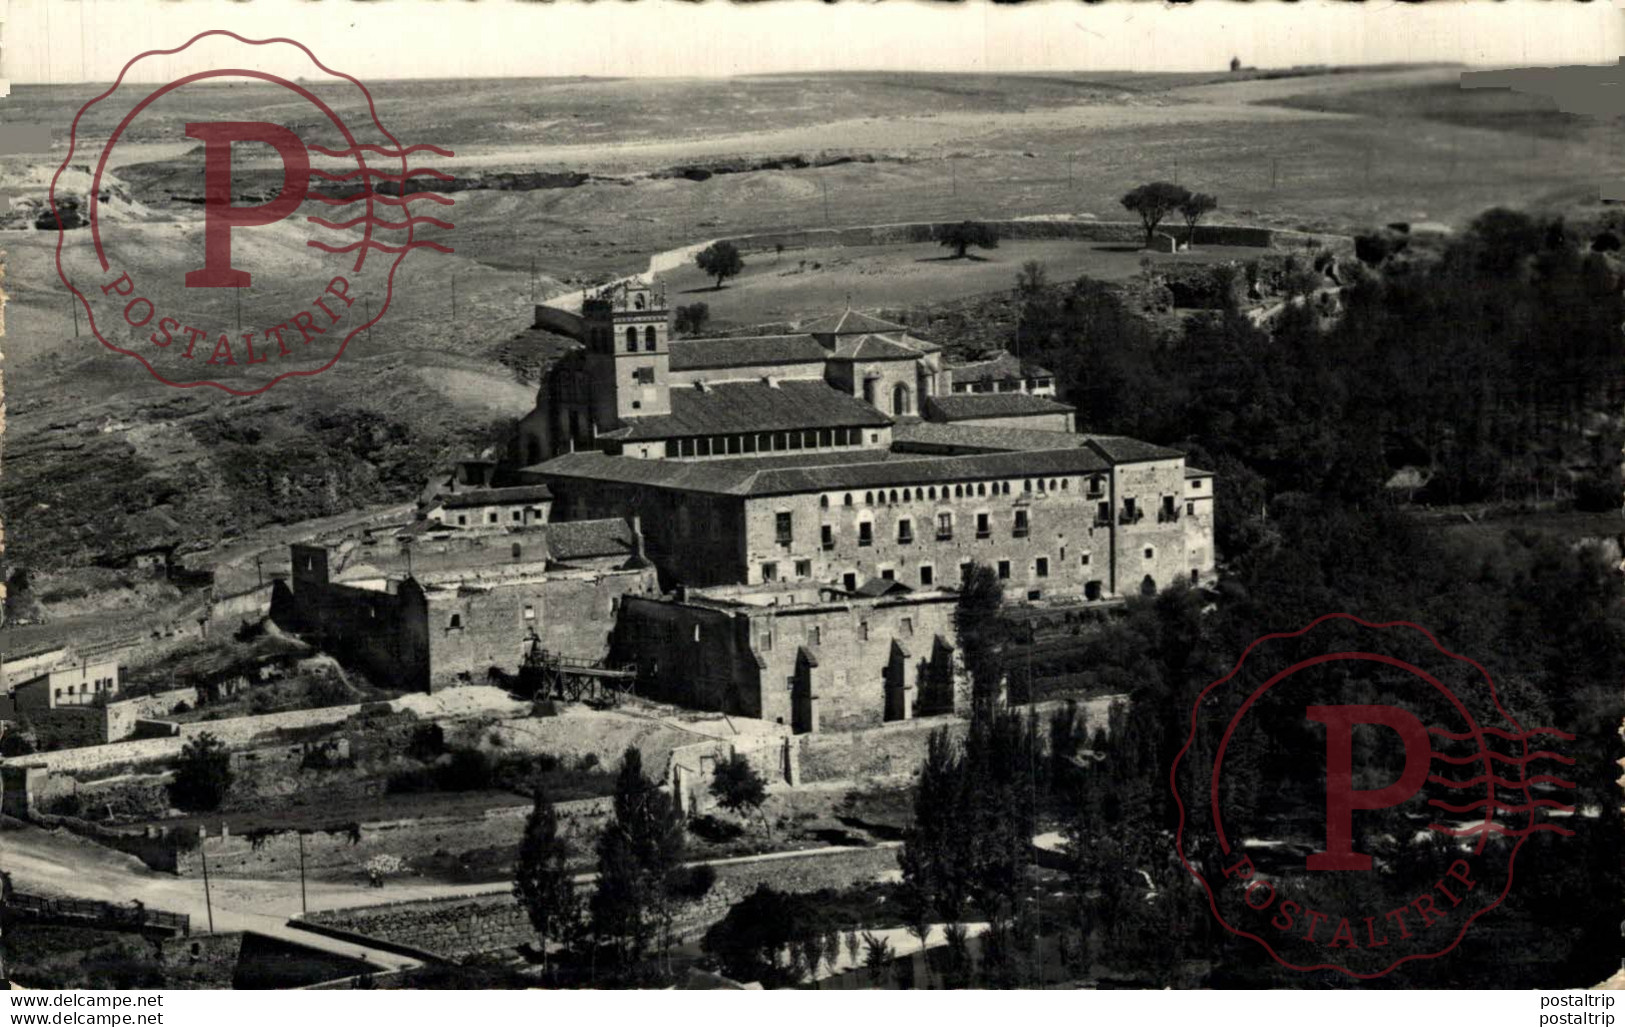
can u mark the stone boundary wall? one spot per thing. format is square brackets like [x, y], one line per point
[895, 750]
[342, 847]
[560, 308]
[457, 928]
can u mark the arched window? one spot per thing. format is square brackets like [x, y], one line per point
[981, 488]
[868, 499]
[894, 495]
[848, 501]
[931, 492]
[900, 399]
[649, 338]
[823, 502]
[959, 491]
[631, 340]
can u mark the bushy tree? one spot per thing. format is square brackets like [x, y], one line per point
[1195, 207]
[753, 942]
[1153, 202]
[720, 260]
[965, 234]
[543, 883]
[639, 853]
[739, 789]
[691, 318]
[983, 632]
[202, 775]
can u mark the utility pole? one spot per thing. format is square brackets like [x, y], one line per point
[208, 903]
[303, 908]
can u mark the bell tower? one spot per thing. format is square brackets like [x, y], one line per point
[628, 327]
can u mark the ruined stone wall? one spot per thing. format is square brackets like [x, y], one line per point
[472, 630]
[461, 927]
[697, 657]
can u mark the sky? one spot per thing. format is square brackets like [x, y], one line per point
[63, 41]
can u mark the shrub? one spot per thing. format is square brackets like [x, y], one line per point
[328, 690]
[428, 742]
[467, 770]
[203, 775]
[694, 883]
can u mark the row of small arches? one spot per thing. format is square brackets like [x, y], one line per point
[910, 495]
[648, 339]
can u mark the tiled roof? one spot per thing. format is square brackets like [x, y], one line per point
[873, 347]
[964, 406]
[1124, 450]
[848, 322]
[928, 435]
[729, 407]
[1003, 367]
[495, 497]
[746, 351]
[746, 477]
[577, 540]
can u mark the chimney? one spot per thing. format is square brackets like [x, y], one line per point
[637, 535]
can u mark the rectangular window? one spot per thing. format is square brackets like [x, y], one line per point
[863, 630]
[982, 528]
[1169, 512]
[795, 440]
[1149, 552]
[810, 437]
[866, 533]
[530, 613]
[905, 531]
[1042, 567]
[702, 447]
[1084, 562]
[1103, 515]
[644, 375]
[1004, 570]
[826, 536]
[1020, 530]
[926, 575]
[688, 447]
[750, 443]
[908, 627]
[816, 635]
[1097, 487]
[734, 442]
[783, 527]
[491, 517]
[770, 571]
[888, 574]
[803, 568]
[462, 520]
[1196, 483]
[1131, 513]
[1190, 509]
[945, 526]
[766, 642]
[517, 515]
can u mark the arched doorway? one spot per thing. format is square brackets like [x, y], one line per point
[1148, 586]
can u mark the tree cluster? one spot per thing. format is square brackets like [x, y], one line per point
[1155, 201]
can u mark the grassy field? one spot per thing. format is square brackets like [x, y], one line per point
[95, 446]
[807, 283]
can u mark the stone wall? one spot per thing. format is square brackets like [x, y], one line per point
[461, 927]
[277, 855]
[235, 732]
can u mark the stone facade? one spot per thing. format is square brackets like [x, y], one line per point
[474, 614]
[808, 658]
